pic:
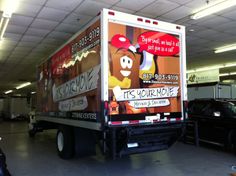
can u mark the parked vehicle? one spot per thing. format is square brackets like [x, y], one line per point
[216, 121]
[3, 165]
[16, 108]
[121, 81]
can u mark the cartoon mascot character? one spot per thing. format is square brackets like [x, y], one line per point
[122, 60]
[123, 72]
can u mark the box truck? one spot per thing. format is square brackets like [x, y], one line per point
[16, 107]
[119, 82]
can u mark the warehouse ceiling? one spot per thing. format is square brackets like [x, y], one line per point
[39, 27]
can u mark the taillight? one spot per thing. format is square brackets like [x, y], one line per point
[106, 105]
[111, 13]
[155, 22]
[185, 108]
[139, 19]
[186, 104]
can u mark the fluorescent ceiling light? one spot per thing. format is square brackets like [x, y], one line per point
[8, 7]
[33, 92]
[213, 8]
[232, 73]
[228, 74]
[190, 71]
[224, 74]
[9, 91]
[225, 48]
[212, 67]
[230, 65]
[206, 68]
[3, 23]
[23, 85]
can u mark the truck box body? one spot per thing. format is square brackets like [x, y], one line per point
[120, 72]
[15, 107]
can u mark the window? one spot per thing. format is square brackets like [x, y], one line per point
[197, 107]
[229, 108]
[209, 109]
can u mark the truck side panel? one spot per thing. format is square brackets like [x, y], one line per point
[69, 81]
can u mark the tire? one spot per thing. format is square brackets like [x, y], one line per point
[234, 148]
[232, 141]
[65, 142]
[31, 133]
[234, 144]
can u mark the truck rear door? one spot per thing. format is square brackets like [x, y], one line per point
[145, 61]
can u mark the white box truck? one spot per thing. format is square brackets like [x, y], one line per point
[15, 107]
[119, 82]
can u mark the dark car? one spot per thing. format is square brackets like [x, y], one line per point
[3, 166]
[216, 121]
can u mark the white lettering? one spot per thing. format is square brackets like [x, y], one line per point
[74, 104]
[84, 82]
[149, 103]
[148, 93]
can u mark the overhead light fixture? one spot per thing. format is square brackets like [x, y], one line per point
[8, 7]
[33, 93]
[230, 65]
[224, 74]
[9, 91]
[212, 67]
[3, 23]
[205, 68]
[213, 8]
[23, 85]
[228, 74]
[225, 48]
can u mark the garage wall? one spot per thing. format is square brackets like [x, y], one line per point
[201, 92]
[224, 91]
[233, 91]
[213, 91]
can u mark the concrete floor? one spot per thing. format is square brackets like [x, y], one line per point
[38, 157]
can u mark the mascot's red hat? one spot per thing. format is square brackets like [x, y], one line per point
[120, 41]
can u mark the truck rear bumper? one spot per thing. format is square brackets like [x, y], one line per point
[146, 138]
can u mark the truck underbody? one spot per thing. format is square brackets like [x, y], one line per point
[113, 141]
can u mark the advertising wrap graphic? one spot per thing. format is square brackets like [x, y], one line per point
[143, 74]
[158, 43]
[82, 83]
[142, 94]
[144, 71]
[69, 81]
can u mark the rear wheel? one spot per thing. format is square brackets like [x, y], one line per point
[234, 148]
[65, 142]
[31, 133]
[232, 140]
[31, 130]
[234, 144]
